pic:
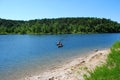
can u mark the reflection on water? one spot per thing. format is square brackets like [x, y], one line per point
[23, 54]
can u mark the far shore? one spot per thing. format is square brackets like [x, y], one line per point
[75, 69]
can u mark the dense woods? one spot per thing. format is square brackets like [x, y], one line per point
[59, 26]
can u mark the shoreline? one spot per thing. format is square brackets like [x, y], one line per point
[73, 70]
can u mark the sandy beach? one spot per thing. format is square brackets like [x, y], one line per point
[75, 69]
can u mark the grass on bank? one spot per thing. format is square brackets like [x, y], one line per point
[110, 70]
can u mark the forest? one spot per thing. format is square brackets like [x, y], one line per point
[68, 25]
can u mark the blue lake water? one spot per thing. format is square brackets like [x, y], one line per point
[25, 54]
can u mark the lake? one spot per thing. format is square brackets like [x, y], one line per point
[22, 55]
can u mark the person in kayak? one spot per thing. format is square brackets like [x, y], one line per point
[59, 44]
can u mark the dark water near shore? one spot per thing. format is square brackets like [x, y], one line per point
[23, 54]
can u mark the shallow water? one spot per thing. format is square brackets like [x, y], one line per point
[24, 54]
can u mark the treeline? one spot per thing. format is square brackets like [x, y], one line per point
[59, 26]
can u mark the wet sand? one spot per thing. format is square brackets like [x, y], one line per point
[73, 70]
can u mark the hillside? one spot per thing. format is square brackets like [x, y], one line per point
[59, 26]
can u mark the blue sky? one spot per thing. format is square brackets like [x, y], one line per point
[38, 9]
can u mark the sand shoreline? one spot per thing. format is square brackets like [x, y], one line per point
[73, 70]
